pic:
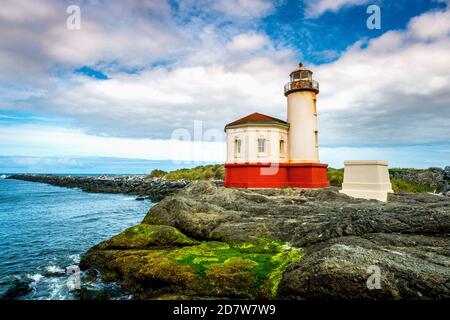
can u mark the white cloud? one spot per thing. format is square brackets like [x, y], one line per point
[244, 8]
[52, 141]
[431, 26]
[155, 102]
[248, 42]
[35, 39]
[394, 89]
[315, 8]
[25, 10]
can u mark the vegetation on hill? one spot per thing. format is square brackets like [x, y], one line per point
[402, 179]
[410, 186]
[208, 172]
[336, 177]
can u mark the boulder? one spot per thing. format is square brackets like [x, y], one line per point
[159, 262]
[410, 267]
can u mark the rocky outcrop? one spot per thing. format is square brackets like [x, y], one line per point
[301, 216]
[160, 262]
[154, 189]
[409, 267]
[328, 242]
[433, 177]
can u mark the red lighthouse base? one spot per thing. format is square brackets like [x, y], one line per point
[276, 175]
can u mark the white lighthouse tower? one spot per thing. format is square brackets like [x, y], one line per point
[301, 93]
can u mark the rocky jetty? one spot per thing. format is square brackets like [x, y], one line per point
[154, 189]
[206, 241]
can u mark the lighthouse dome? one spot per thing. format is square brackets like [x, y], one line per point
[301, 73]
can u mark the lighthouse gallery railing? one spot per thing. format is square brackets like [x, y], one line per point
[301, 84]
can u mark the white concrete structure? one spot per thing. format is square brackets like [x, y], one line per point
[257, 143]
[302, 117]
[367, 179]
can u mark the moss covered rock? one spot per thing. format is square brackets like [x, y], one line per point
[207, 269]
[144, 236]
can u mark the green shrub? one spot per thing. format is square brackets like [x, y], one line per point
[409, 186]
[336, 177]
[208, 172]
[157, 173]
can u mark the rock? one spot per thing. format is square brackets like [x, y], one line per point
[411, 267]
[433, 177]
[19, 287]
[300, 216]
[328, 240]
[189, 268]
[154, 189]
[146, 236]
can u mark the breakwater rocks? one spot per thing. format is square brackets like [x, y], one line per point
[154, 189]
[206, 241]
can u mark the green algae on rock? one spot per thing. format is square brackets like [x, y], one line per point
[143, 236]
[181, 265]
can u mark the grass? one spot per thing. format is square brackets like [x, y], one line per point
[410, 186]
[208, 172]
[336, 177]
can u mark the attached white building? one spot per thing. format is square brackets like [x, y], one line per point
[257, 138]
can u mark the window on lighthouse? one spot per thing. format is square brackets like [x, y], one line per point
[304, 75]
[261, 145]
[282, 147]
[316, 138]
[237, 146]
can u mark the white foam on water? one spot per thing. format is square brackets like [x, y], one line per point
[128, 198]
[58, 289]
[3, 176]
[75, 258]
[54, 269]
[35, 277]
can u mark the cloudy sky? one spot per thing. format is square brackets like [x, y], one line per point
[138, 74]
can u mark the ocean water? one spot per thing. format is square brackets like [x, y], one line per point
[45, 229]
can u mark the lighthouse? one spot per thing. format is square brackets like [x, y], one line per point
[267, 152]
[301, 92]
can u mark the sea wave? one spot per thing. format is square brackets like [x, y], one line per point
[54, 269]
[128, 199]
[75, 258]
[36, 277]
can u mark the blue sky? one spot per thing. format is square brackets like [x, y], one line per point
[140, 73]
